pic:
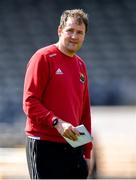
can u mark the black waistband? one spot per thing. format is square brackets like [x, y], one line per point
[59, 147]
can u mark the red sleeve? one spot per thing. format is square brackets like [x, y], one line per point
[86, 118]
[36, 80]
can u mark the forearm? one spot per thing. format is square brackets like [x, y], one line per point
[36, 111]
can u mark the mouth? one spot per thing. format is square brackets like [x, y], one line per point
[73, 43]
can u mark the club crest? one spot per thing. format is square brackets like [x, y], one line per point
[82, 78]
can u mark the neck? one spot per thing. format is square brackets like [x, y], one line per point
[70, 54]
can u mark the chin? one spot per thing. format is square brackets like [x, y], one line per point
[73, 49]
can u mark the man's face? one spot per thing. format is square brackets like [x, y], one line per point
[71, 37]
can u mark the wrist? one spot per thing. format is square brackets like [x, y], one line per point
[55, 121]
[58, 125]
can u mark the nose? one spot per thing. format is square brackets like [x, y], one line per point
[74, 35]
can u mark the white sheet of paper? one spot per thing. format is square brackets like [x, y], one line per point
[82, 139]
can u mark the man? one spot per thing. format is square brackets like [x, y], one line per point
[56, 100]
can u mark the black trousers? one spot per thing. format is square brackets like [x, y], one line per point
[49, 160]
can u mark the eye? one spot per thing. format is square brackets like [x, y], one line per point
[80, 32]
[69, 30]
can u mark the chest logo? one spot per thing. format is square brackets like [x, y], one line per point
[82, 78]
[59, 71]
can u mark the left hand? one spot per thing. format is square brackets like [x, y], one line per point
[89, 166]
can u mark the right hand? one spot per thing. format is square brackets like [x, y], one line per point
[67, 130]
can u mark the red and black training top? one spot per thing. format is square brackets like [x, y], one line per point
[56, 85]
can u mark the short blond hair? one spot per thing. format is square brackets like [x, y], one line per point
[79, 14]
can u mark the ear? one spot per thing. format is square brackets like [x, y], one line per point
[59, 31]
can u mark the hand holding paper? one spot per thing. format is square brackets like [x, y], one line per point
[84, 137]
[67, 130]
[75, 136]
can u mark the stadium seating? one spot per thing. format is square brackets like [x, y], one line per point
[109, 49]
